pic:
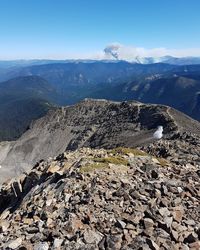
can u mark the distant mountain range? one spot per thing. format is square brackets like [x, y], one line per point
[4, 64]
[180, 90]
[167, 59]
[28, 89]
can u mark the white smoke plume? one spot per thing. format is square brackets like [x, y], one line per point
[122, 52]
[113, 50]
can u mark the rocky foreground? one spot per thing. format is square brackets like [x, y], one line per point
[111, 199]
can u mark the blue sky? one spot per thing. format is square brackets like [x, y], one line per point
[83, 28]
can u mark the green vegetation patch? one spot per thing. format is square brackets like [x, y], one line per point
[163, 162]
[112, 159]
[100, 163]
[136, 152]
[93, 166]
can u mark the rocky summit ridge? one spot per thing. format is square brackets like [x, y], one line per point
[91, 123]
[112, 189]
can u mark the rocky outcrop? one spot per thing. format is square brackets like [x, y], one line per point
[91, 123]
[120, 198]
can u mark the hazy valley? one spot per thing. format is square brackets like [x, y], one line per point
[28, 91]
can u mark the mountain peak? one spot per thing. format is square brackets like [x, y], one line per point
[91, 123]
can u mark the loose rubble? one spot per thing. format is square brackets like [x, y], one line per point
[121, 198]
